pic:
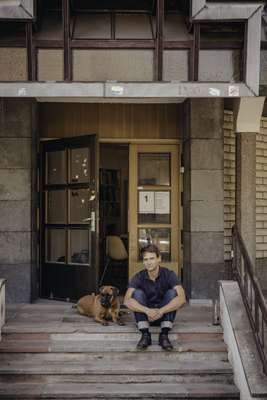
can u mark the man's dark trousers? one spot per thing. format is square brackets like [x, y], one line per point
[166, 321]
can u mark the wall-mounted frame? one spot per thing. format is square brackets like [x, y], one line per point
[250, 13]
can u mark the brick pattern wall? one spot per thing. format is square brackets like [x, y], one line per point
[229, 186]
[261, 191]
[229, 181]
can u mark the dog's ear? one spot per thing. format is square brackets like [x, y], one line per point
[101, 289]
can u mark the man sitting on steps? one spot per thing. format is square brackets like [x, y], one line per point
[154, 294]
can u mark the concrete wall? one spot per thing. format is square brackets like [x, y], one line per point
[16, 251]
[203, 198]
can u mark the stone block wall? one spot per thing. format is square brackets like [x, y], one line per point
[203, 233]
[16, 126]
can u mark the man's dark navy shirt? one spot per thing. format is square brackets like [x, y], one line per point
[155, 290]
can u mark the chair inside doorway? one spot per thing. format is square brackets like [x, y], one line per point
[116, 268]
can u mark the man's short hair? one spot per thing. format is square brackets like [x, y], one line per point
[150, 248]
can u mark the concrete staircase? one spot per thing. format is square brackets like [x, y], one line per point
[50, 352]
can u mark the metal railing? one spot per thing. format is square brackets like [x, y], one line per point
[243, 272]
[2, 304]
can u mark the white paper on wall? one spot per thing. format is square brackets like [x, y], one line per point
[154, 202]
[162, 202]
[146, 202]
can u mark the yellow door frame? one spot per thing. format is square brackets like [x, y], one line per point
[135, 264]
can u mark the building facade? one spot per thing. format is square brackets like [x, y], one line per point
[144, 120]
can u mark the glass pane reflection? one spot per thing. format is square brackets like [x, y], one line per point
[161, 237]
[56, 167]
[79, 206]
[154, 169]
[56, 207]
[80, 243]
[80, 165]
[55, 245]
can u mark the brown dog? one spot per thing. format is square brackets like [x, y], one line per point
[102, 307]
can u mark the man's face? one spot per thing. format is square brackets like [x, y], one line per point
[151, 261]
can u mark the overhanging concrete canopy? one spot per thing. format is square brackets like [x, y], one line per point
[120, 90]
[17, 9]
[250, 13]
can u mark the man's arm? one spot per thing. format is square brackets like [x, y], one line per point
[133, 305]
[175, 303]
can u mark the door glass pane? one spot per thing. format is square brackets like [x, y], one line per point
[154, 169]
[56, 167]
[56, 207]
[80, 165]
[161, 237]
[55, 245]
[79, 206]
[154, 207]
[80, 243]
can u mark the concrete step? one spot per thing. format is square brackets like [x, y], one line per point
[111, 335]
[112, 367]
[17, 326]
[89, 346]
[49, 351]
[102, 391]
[222, 377]
[132, 356]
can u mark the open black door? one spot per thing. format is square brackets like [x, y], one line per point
[69, 217]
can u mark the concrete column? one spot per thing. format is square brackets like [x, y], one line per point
[16, 228]
[203, 198]
[247, 113]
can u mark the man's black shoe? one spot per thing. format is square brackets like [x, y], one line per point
[145, 341]
[164, 342]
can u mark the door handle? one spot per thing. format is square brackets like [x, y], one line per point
[92, 221]
[87, 219]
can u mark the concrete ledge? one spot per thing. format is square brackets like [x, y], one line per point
[2, 304]
[120, 90]
[242, 350]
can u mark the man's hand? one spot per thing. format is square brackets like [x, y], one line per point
[153, 314]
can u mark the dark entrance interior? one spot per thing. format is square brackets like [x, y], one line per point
[113, 212]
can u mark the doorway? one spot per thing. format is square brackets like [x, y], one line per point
[113, 208]
[139, 205]
[99, 205]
